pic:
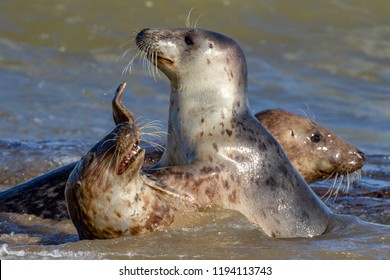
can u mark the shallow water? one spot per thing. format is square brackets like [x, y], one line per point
[60, 64]
[206, 235]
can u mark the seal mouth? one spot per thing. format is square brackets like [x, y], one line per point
[325, 174]
[164, 60]
[128, 159]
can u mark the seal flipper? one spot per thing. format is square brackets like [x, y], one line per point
[194, 182]
[169, 180]
[119, 112]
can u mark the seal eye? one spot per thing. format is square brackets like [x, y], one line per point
[188, 40]
[315, 138]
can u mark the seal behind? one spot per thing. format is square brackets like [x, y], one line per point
[316, 152]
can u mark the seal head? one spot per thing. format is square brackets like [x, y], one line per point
[315, 152]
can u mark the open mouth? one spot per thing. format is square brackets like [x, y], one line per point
[128, 159]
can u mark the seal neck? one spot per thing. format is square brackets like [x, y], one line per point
[192, 93]
[197, 118]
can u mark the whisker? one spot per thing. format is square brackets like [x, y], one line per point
[156, 72]
[156, 124]
[336, 191]
[132, 49]
[188, 22]
[348, 183]
[154, 144]
[151, 129]
[129, 66]
[155, 127]
[108, 150]
[147, 55]
[117, 157]
[109, 139]
[309, 114]
[96, 167]
[156, 134]
[196, 22]
[328, 193]
[352, 178]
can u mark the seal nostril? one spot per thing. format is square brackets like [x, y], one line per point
[141, 35]
[362, 155]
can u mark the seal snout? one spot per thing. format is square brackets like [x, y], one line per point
[157, 45]
[140, 36]
[357, 160]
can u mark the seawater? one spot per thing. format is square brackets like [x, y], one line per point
[61, 61]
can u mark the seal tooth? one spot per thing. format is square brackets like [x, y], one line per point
[136, 150]
[128, 158]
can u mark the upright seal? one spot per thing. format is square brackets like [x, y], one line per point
[217, 152]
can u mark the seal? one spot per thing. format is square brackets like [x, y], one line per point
[42, 196]
[315, 160]
[105, 193]
[316, 152]
[217, 152]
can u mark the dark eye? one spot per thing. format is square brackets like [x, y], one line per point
[315, 138]
[292, 133]
[211, 45]
[188, 40]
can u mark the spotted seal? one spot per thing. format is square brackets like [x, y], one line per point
[106, 195]
[217, 152]
[315, 152]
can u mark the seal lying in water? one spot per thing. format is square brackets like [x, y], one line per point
[217, 152]
[315, 152]
[314, 160]
[106, 194]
